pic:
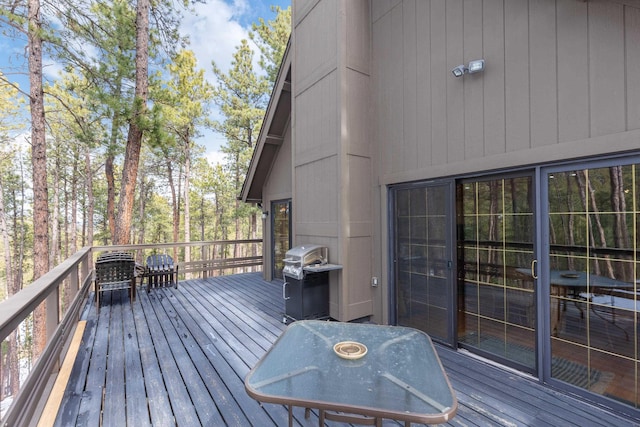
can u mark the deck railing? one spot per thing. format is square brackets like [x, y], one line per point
[63, 291]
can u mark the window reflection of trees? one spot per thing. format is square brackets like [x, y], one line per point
[593, 226]
[495, 239]
[592, 222]
[281, 235]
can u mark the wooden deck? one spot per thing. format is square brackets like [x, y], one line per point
[179, 357]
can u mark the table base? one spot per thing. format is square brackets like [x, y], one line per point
[343, 418]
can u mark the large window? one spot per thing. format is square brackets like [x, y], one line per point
[593, 237]
[496, 298]
[423, 255]
[281, 232]
[548, 271]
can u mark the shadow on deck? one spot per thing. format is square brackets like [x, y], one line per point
[179, 357]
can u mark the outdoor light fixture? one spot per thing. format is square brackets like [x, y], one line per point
[459, 70]
[265, 214]
[474, 66]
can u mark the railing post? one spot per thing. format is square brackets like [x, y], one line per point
[74, 284]
[205, 261]
[52, 312]
[85, 264]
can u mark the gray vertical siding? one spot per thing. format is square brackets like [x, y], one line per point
[557, 72]
[374, 103]
[332, 153]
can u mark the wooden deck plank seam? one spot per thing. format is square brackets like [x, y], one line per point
[178, 340]
[237, 314]
[210, 336]
[158, 403]
[277, 412]
[135, 390]
[183, 409]
[91, 403]
[115, 381]
[490, 381]
[217, 387]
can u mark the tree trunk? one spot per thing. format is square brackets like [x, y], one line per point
[621, 236]
[39, 164]
[587, 193]
[108, 166]
[187, 212]
[134, 138]
[21, 232]
[73, 226]
[570, 237]
[111, 194]
[237, 204]
[202, 220]
[74, 205]
[55, 215]
[254, 233]
[90, 201]
[64, 250]
[4, 233]
[495, 190]
[175, 211]
[141, 209]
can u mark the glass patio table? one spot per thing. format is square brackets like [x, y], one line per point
[361, 373]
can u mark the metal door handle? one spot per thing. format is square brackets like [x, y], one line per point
[284, 291]
[534, 264]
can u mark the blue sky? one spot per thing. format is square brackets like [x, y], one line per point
[215, 31]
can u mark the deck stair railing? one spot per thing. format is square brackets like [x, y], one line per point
[64, 291]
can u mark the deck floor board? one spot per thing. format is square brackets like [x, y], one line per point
[180, 356]
[136, 401]
[156, 394]
[172, 371]
[115, 386]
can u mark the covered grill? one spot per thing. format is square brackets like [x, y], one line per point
[306, 282]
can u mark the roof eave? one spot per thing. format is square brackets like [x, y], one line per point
[271, 133]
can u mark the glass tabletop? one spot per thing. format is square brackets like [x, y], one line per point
[399, 376]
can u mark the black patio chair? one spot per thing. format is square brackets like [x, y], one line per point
[114, 271]
[161, 271]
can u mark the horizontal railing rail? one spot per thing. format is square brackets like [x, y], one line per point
[76, 275]
[13, 311]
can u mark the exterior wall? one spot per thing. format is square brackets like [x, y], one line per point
[277, 187]
[332, 151]
[559, 83]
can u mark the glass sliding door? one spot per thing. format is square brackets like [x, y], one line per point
[591, 276]
[422, 250]
[281, 233]
[496, 292]
[570, 317]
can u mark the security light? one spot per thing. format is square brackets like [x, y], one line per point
[476, 66]
[459, 70]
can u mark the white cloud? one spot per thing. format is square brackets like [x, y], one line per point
[215, 157]
[20, 142]
[51, 69]
[215, 32]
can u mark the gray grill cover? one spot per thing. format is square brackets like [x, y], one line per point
[301, 256]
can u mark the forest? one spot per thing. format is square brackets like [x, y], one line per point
[107, 153]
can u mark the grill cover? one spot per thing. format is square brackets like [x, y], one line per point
[302, 256]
